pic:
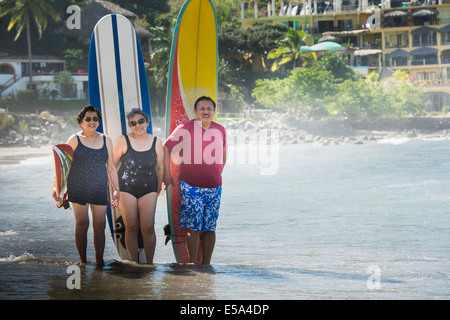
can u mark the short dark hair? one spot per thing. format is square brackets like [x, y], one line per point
[86, 109]
[206, 99]
[136, 111]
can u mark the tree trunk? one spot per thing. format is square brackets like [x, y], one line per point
[29, 53]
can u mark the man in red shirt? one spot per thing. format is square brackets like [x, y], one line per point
[199, 146]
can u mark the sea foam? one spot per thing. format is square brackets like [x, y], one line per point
[26, 257]
[8, 233]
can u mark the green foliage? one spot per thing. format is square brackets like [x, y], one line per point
[237, 96]
[406, 99]
[357, 99]
[75, 59]
[23, 12]
[289, 49]
[317, 92]
[268, 93]
[258, 39]
[305, 90]
[161, 43]
[151, 9]
[6, 122]
[63, 77]
[337, 65]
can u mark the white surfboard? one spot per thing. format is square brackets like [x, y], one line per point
[117, 84]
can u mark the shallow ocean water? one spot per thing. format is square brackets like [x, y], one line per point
[333, 222]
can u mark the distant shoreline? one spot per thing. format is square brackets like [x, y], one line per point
[11, 155]
[345, 131]
[46, 129]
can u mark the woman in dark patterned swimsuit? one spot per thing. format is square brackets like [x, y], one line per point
[88, 181]
[140, 178]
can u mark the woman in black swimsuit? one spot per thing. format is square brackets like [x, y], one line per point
[87, 182]
[140, 178]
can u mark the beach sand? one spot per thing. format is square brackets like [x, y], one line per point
[15, 154]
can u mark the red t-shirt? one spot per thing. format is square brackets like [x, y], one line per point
[199, 152]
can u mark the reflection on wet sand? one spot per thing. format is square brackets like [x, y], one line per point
[128, 280]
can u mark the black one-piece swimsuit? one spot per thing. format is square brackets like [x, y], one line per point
[88, 177]
[137, 174]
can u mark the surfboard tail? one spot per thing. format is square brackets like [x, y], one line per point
[192, 73]
[63, 156]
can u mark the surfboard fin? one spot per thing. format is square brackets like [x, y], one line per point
[66, 205]
[167, 233]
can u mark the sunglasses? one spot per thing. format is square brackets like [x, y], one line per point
[89, 119]
[134, 123]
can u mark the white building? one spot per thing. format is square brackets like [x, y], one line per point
[14, 76]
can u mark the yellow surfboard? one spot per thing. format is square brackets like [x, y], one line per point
[192, 74]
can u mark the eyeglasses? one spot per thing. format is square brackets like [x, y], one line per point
[89, 119]
[134, 123]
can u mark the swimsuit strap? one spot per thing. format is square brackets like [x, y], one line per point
[104, 141]
[130, 147]
[154, 142]
[128, 142]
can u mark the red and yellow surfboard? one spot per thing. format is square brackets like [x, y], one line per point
[192, 74]
[63, 154]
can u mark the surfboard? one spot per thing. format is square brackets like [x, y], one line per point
[192, 73]
[63, 154]
[117, 84]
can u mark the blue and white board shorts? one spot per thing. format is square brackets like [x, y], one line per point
[199, 207]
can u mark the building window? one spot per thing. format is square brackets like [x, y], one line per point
[444, 16]
[68, 91]
[425, 39]
[397, 40]
[436, 100]
[6, 69]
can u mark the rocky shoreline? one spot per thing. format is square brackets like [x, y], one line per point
[37, 130]
[326, 132]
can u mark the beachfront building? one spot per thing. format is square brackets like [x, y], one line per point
[93, 11]
[15, 76]
[14, 68]
[380, 35]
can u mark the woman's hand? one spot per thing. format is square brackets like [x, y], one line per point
[115, 199]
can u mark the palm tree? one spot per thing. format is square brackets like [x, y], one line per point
[22, 12]
[290, 49]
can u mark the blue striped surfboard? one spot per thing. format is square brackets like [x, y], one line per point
[117, 84]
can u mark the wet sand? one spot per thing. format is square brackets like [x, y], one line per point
[15, 154]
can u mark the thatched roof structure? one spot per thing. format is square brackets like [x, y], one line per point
[367, 52]
[422, 51]
[395, 13]
[399, 53]
[423, 29]
[94, 11]
[330, 38]
[345, 33]
[424, 12]
[445, 28]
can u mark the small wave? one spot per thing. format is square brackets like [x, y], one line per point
[394, 141]
[29, 258]
[36, 159]
[26, 257]
[8, 233]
